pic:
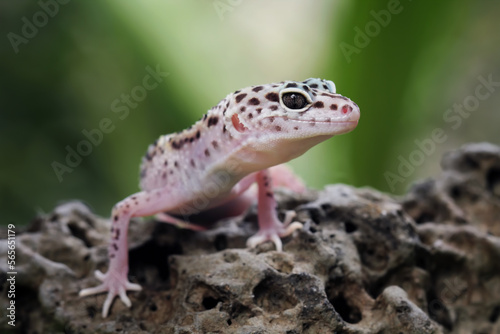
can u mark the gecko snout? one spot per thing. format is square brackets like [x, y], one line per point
[350, 111]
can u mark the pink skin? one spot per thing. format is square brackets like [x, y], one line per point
[242, 141]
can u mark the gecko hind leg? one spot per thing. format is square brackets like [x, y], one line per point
[166, 218]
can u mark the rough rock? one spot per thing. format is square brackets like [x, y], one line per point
[365, 262]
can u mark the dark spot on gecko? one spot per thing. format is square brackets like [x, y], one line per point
[313, 94]
[207, 153]
[291, 84]
[112, 256]
[215, 145]
[318, 104]
[171, 172]
[236, 92]
[266, 184]
[259, 110]
[213, 121]
[250, 115]
[295, 127]
[243, 108]
[127, 206]
[192, 163]
[273, 107]
[115, 247]
[274, 97]
[313, 85]
[198, 134]
[271, 119]
[254, 101]
[240, 97]
[334, 106]
[164, 175]
[134, 197]
[305, 88]
[224, 129]
[115, 218]
[269, 194]
[177, 145]
[191, 139]
[204, 117]
[278, 128]
[165, 163]
[176, 164]
[325, 87]
[259, 123]
[257, 89]
[117, 234]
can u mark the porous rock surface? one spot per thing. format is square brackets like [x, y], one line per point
[365, 262]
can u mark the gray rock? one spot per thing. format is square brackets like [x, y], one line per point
[365, 262]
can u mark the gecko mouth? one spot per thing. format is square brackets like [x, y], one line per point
[324, 121]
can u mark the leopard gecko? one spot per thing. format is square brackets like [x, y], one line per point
[241, 141]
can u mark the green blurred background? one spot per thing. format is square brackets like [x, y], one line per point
[65, 63]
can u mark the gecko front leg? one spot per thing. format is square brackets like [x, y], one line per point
[270, 228]
[115, 281]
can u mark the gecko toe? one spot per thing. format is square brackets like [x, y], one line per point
[124, 298]
[289, 215]
[277, 242]
[133, 287]
[107, 304]
[255, 240]
[92, 291]
[292, 228]
[99, 275]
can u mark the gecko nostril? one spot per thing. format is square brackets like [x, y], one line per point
[346, 109]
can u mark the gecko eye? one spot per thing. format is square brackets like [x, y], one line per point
[294, 99]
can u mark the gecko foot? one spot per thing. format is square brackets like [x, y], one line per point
[116, 285]
[275, 231]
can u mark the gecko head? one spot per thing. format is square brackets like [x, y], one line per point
[287, 118]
